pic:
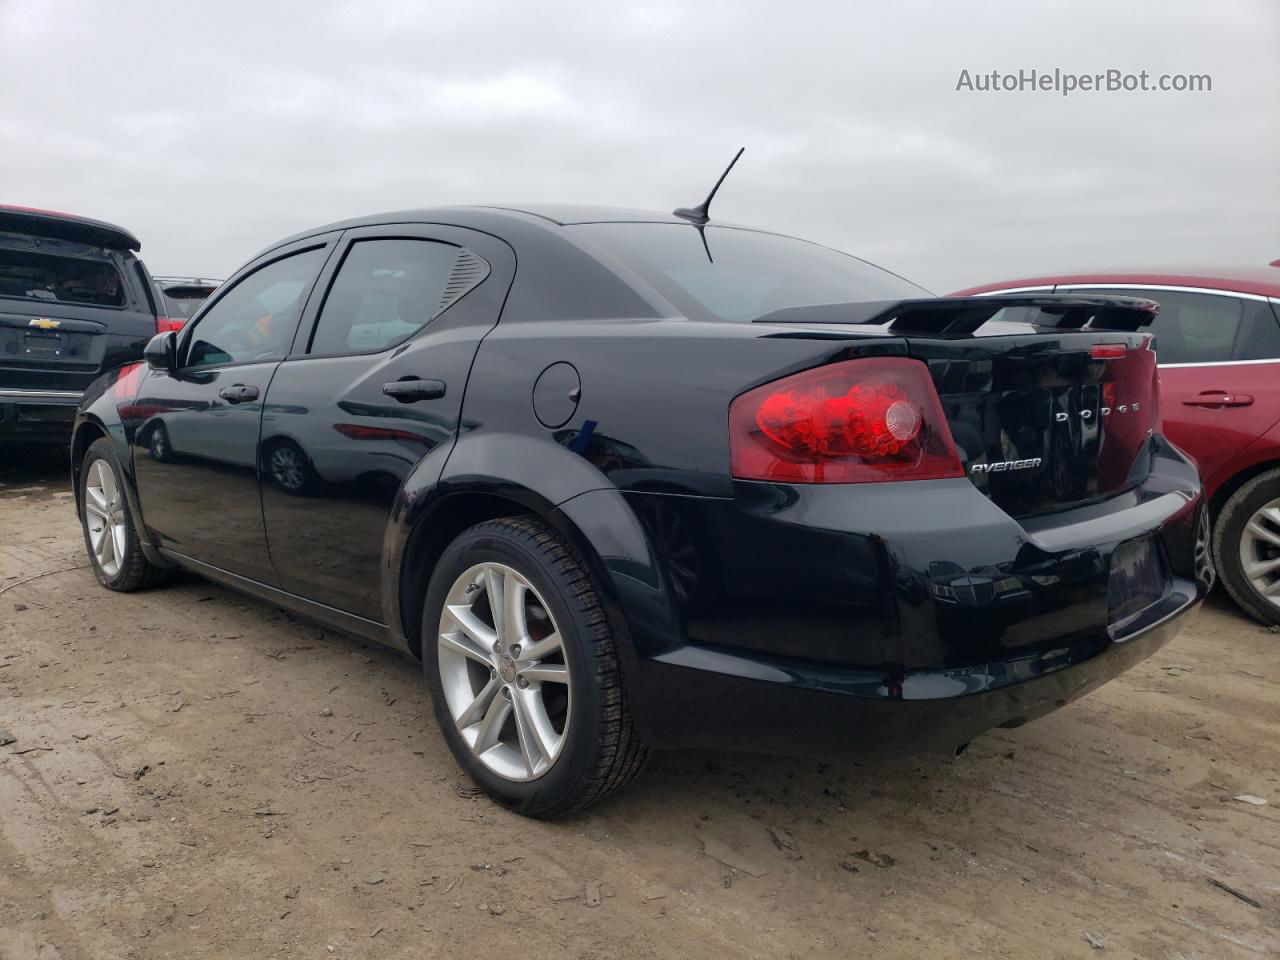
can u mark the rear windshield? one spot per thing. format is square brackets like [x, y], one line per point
[183, 301]
[742, 274]
[48, 277]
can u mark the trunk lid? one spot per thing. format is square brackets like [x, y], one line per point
[1051, 400]
[1044, 422]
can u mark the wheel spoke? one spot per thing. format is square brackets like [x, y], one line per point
[537, 736]
[119, 541]
[107, 549]
[1262, 532]
[108, 479]
[461, 643]
[546, 673]
[97, 498]
[495, 587]
[544, 648]
[1261, 568]
[487, 737]
[92, 507]
[480, 705]
[515, 626]
[96, 536]
[473, 627]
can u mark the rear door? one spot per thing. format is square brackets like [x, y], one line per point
[1219, 355]
[195, 432]
[373, 386]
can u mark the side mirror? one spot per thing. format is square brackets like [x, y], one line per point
[160, 351]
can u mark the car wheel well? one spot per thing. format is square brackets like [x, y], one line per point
[428, 542]
[1234, 483]
[84, 438]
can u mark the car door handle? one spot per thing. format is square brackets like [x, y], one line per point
[238, 393]
[410, 390]
[1214, 399]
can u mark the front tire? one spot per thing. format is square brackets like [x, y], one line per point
[110, 531]
[1246, 543]
[523, 670]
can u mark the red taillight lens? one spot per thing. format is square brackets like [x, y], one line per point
[1108, 351]
[858, 421]
[165, 324]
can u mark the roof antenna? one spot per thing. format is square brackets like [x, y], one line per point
[699, 214]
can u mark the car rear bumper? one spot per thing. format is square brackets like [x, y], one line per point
[37, 416]
[825, 619]
[719, 699]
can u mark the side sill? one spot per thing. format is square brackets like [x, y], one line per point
[329, 616]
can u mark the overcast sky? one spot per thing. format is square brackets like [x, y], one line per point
[211, 130]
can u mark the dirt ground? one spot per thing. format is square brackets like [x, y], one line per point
[198, 775]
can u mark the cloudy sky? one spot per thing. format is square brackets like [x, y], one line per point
[211, 130]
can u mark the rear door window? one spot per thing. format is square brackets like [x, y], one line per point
[385, 292]
[55, 279]
[1191, 327]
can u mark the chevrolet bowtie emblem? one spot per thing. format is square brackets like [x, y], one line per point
[44, 323]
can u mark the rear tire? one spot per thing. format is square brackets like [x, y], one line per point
[110, 531]
[586, 745]
[1246, 542]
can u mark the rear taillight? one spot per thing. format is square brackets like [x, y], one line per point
[1108, 351]
[858, 421]
[165, 324]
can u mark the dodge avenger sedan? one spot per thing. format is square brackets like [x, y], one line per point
[624, 481]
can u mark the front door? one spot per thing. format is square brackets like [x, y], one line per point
[195, 447]
[374, 385]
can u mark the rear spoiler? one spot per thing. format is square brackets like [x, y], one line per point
[66, 226]
[962, 316]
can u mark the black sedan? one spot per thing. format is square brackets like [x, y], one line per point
[623, 480]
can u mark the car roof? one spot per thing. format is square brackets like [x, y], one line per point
[481, 216]
[66, 226]
[1260, 281]
[565, 214]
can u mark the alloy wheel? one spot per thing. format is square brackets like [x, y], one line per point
[504, 671]
[286, 467]
[1260, 552]
[104, 517]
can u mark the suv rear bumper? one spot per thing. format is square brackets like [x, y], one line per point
[887, 618]
[37, 416]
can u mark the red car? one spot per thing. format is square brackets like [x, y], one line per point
[1218, 337]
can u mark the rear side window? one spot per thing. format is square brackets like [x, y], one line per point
[740, 275]
[385, 292]
[256, 319]
[1191, 327]
[183, 301]
[56, 279]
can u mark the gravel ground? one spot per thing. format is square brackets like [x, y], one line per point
[196, 774]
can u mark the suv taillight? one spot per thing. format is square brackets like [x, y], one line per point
[857, 421]
[165, 324]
